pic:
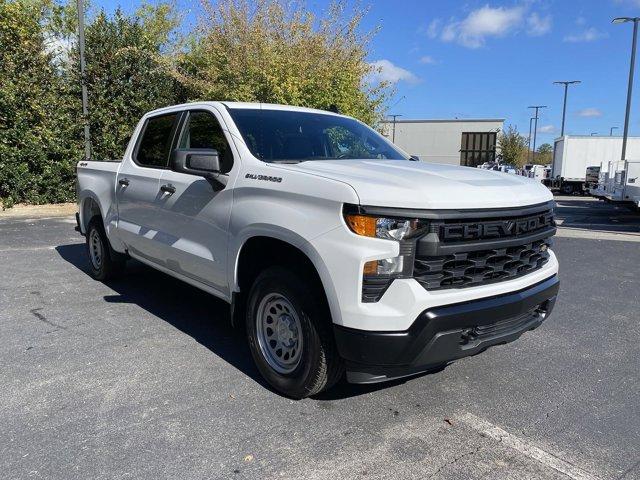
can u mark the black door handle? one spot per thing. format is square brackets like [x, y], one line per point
[168, 189]
[124, 182]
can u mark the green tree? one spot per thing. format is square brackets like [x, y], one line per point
[127, 74]
[272, 51]
[513, 146]
[250, 50]
[544, 154]
[37, 142]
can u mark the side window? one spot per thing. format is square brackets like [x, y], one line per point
[202, 130]
[153, 149]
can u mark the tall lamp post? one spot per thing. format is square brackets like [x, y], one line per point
[535, 127]
[635, 21]
[564, 107]
[85, 97]
[529, 142]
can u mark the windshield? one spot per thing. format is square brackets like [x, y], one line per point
[285, 135]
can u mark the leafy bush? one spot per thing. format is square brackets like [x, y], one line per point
[261, 50]
[38, 144]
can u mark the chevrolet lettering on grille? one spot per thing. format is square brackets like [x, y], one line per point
[495, 229]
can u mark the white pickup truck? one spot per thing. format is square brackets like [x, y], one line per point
[337, 251]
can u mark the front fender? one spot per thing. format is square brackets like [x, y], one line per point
[292, 238]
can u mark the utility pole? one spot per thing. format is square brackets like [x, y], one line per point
[529, 142]
[535, 128]
[564, 108]
[393, 138]
[611, 131]
[85, 97]
[635, 21]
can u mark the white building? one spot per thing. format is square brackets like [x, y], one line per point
[469, 142]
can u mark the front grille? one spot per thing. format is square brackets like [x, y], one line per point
[501, 249]
[467, 269]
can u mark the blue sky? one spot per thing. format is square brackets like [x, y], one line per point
[480, 58]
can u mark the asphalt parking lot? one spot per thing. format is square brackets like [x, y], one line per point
[144, 378]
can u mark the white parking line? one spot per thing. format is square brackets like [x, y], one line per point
[525, 448]
[26, 249]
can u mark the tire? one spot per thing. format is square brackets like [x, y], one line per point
[567, 189]
[284, 312]
[105, 263]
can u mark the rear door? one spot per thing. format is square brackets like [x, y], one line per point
[194, 214]
[138, 186]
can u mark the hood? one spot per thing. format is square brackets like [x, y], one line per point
[405, 184]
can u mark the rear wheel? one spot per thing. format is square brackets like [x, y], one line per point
[567, 188]
[105, 263]
[289, 334]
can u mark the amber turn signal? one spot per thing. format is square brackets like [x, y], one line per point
[370, 268]
[362, 225]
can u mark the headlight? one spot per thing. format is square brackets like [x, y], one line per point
[401, 230]
[380, 227]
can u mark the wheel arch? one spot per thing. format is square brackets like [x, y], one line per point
[265, 248]
[89, 208]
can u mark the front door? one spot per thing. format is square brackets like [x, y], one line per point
[194, 214]
[138, 186]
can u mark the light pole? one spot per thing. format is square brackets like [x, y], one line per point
[564, 108]
[529, 142]
[393, 138]
[635, 21]
[611, 131]
[85, 97]
[535, 127]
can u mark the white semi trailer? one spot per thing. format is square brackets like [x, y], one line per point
[572, 154]
[620, 183]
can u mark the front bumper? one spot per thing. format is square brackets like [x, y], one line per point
[445, 333]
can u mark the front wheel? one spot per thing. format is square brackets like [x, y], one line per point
[289, 334]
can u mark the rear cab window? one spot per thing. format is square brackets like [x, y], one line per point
[155, 143]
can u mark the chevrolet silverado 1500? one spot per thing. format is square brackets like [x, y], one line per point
[337, 251]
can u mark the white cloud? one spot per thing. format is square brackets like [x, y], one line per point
[488, 21]
[386, 71]
[581, 21]
[538, 25]
[590, 112]
[427, 60]
[547, 129]
[432, 29]
[588, 35]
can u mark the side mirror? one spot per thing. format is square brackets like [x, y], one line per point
[415, 158]
[202, 162]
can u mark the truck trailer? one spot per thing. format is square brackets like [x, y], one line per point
[573, 154]
[621, 183]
